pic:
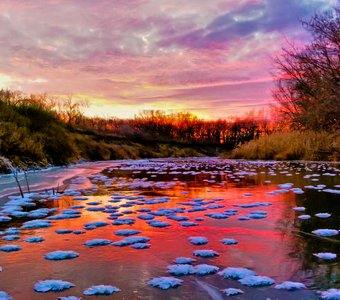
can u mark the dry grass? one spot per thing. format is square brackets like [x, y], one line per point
[306, 145]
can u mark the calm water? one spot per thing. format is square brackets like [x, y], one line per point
[280, 245]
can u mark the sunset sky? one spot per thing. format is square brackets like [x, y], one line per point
[209, 57]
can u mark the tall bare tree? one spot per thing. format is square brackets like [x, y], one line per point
[308, 78]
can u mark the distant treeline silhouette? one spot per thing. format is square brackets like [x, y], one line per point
[38, 129]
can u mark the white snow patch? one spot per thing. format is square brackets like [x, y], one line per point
[165, 283]
[101, 290]
[53, 285]
[60, 255]
[236, 273]
[255, 280]
[290, 286]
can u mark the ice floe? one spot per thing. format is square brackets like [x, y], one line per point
[184, 260]
[10, 248]
[52, 285]
[290, 286]
[331, 294]
[325, 232]
[61, 254]
[198, 240]
[236, 273]
[232, 292]
[5, 296]
[34, 239]
[101, 290]
[165, 283]
[97, 242]
[205, 253]
[325, 255]
[256, 280]
[229, 241]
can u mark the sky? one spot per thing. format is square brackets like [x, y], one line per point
[212, 58]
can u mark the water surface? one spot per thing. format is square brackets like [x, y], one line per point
[280, 245]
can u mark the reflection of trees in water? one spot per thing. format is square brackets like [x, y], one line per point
[318, 273]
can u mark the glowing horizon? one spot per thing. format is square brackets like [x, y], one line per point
[210, 58]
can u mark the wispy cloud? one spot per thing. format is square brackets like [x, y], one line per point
[208, 56]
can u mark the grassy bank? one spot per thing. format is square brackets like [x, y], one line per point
[32, 134]
[306, 145]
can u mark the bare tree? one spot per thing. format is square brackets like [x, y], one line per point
[308, 78]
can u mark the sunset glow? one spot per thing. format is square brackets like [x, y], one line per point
[211, 58]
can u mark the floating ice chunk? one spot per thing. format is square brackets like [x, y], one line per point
[178, 218]
[184, 260]
[198, 240]
[145, 217]
[304, 217]
[141, 246]
[236, 273]
[229, 241]
[325, 232]
[78, 232]
[80, 198]
[299, 208]
[157, 223]
[323, 215]
[217, 215]
[255, 280]
[232, 292]
[69, 298]
[10, 248]
[290, 286]
[63, 231]
[131, 240]
[205, 253]
[253, 204]
[331, 294]
[245, 218]
[204, 269]
[187, 223]
[124, 221]
[126, 232]
[11, 237]
[36, 224]
[101, 290]
[5, 219]
[52, 285]
[325, 255]
[165, 283]
[60, 255]
[5, 296]
[181, 269]
[97, 242]
[96, 224]
[34, 239]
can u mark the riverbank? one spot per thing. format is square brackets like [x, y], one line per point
[49, 178]
[305, 145]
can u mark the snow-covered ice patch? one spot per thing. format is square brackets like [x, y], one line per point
[229, 241]
[53, 285]
[126, 232]
[198, 240]
[204, 269]
[232, 292]
[97, 242]
[236, 273]
[331, 294]
[181, 269]
[205, 253]
[255, 280]
[325, 255]
[290, 286]
[10, 248]
[60, 255]
[5, 296]
[165, 283]
[184, 260]
[34, 239]
[325, 232]
[34, 224]
[101, 290]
